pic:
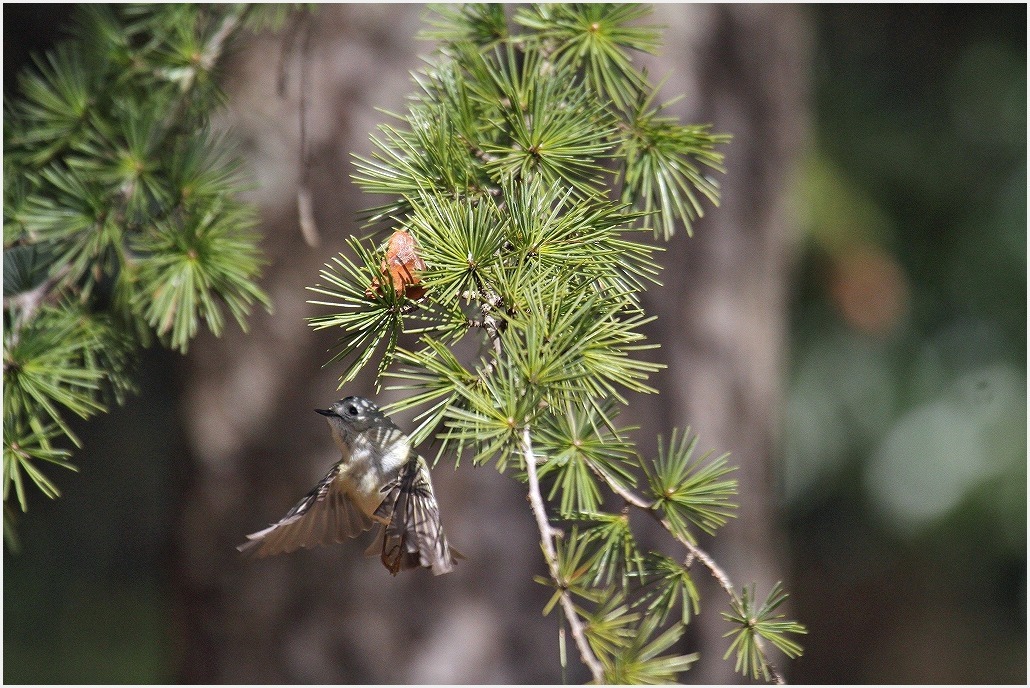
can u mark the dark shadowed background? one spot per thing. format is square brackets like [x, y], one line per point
[850, 325]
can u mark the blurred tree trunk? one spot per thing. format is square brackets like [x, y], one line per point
[331, 615]
[722, 312]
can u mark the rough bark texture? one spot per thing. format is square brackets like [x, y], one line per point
[331, 615]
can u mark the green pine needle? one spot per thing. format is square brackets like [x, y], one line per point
[611, 625]
[575, 561]
[754, 621]
[581, 241]
[434, 375]
[460, 244]
[424, 158]
[665, 164]
[370, 318]
[671, 585]
[61, 360]
[641, 661]
[482, 24]
[22, 451]
[11, 540]
[490, 417]
[617, 554]
[690, 491]
[55, 105]
[119, 208]
[575, 347]
[25, 267]
[597, 39]
[579, 449]
[558, 132]
[190, 271]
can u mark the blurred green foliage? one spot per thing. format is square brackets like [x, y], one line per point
[905, 419]
[122, 225]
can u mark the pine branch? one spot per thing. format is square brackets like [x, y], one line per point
[547, 534]
[778, 678]
[502, 175]
[204, 62]
[649, 508]
[305, 204]
[695, 552]
[214, 49]
[25, 304]
[121, 222]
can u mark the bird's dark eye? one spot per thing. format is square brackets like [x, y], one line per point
[352, 410]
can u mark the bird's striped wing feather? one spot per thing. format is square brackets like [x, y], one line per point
[326, 514]
[412, 535]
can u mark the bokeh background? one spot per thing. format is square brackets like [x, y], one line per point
[877, 183]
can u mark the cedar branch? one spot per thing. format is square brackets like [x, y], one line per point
[547, 540]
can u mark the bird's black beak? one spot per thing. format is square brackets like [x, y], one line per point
[325, 412]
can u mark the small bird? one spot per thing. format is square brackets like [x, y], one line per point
[379, 479]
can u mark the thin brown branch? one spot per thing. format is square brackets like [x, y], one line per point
[488, 302]
[777, 676]
[694, 552]
[547, 540]
[300, 32]
[286, 50]
[305, 206]
[493, 328]
[214, 49]
[27, 303]
[206, 61]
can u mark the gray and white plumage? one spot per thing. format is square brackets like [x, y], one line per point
[379, 479]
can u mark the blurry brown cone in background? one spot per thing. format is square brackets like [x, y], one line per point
[869, 288]
[402, 265]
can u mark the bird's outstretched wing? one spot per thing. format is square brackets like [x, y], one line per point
[412, 535]
[326, 514]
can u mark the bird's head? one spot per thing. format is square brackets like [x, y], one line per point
[352, 415]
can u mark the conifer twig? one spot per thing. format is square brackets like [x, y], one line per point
[305, 205]
[206, 61]
[695, 552]
[777, 676]
[29, 302]
[214, 49]
[300, 31]
[547, 540]
[487, 303]
[547, 532]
